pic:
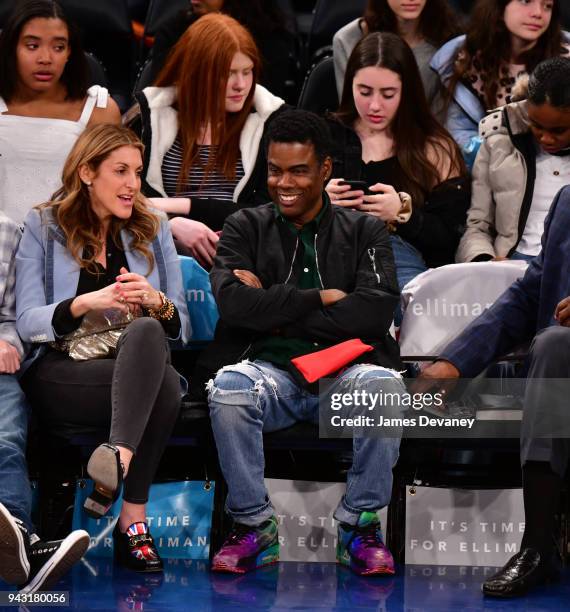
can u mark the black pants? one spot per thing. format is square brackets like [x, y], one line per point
[546, 417]
[138, 393]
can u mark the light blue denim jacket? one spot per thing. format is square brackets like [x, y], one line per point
[47, 274]
[465, 110]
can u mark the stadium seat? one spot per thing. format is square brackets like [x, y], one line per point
[288, 11]
[107, 32]
[145, 76]
[160, 11]
[565, 15]
[319, 93]
[138, 9]
[328, 17]
[439, 303]
[105, 15]
[98, 75]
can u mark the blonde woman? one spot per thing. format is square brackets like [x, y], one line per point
[97, 246]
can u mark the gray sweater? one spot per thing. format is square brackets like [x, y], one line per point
[347, 38]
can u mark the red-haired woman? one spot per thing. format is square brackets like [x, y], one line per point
[262, 18]
[202, 126]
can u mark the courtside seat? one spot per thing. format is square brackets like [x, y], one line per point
[329, 16]
[97, 72]
[319, 93]
[161, 11]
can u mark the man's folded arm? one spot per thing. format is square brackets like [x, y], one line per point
[248, 307]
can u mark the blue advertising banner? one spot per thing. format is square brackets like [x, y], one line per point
[200, 299]
[179, 515]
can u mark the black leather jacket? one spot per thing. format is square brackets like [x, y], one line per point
[353, 255]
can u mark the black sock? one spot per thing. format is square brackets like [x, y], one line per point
[541, 492]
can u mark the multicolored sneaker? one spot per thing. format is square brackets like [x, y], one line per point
[135, 549]
[248, 548]
[362, 549]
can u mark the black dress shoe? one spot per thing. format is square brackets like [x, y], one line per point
[135, 549]
[522, 572]
[106, 470]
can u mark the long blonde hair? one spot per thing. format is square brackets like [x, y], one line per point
[71, 204]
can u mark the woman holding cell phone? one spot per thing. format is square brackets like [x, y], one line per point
[385, 135]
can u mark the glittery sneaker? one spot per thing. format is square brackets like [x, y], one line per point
[362, 549]
[248, 548]
[135, 549]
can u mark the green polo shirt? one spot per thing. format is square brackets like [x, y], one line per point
[276, 349]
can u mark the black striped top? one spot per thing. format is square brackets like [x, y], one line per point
[215, 186]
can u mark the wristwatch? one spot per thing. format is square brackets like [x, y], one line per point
[405, 211]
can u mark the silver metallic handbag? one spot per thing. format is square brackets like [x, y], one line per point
[97, 336]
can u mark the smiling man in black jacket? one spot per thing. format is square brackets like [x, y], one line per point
[291, 278]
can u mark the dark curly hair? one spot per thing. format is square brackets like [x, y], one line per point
[549, 83]
[296, 125]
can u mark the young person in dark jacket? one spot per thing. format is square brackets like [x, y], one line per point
[386, 136]
[290, 278]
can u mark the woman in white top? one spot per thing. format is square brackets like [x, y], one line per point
[44, 103]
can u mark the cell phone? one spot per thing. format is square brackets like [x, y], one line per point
[357, 186]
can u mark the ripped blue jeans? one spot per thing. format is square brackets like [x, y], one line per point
[252, 397]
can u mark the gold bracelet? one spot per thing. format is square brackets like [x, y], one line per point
[165, 311]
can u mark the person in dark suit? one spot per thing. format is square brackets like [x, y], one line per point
[536, 309]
